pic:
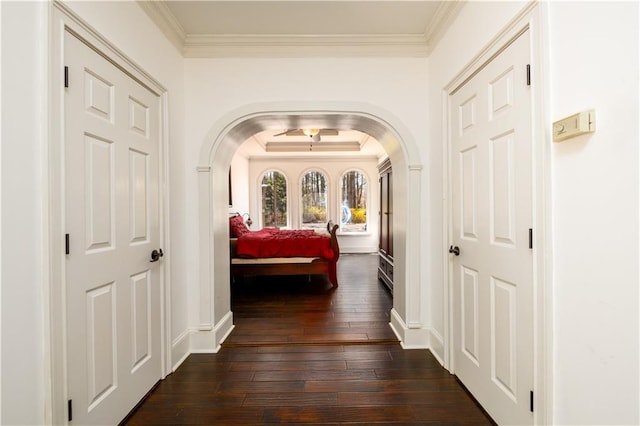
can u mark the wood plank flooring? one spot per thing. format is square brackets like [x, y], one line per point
[304, 353]
[302, 309]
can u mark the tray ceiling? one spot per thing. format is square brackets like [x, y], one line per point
[302, 28]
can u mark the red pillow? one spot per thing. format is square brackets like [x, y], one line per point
[237, 227]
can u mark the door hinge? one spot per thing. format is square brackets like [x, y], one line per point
[66, 243]
[66, 76]
[531, 401]
[528, 74]
[531, 238]
[70, 410]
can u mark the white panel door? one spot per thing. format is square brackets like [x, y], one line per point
[112, 218]
[491, 159]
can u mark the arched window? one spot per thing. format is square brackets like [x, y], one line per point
[353, 207]
[313, 191]
[274, 199]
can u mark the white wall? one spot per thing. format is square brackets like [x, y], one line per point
[333, 168]
[214, 88]
[592, 62]
[240, 185]
[25, 37]
[23, 139]
[0, 218]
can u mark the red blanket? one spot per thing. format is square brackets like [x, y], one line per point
[273, 242]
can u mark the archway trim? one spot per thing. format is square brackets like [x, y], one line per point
[216, 153]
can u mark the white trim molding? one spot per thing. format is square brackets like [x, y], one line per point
[297, 45]
[216, 152]
[300, 45]
[436, 345]
[180, 349]
[410, 338]
[206, 250]
[413, 292]
[210, 341]
[444, 16]
[530, 18]
[160, 14]
[47, 333]
[193, 340]
[63, 20]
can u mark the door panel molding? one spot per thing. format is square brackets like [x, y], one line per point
[62, 19]
[485, 362]
[530, 18]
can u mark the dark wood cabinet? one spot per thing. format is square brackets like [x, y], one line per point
[385, 245]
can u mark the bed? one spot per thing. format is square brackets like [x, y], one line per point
[271, 251]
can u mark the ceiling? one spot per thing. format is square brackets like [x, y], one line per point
[217, 28]
[347, 143]
[304, 28]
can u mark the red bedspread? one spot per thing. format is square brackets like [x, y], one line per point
[273, 242]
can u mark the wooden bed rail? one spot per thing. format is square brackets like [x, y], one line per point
[285, 266]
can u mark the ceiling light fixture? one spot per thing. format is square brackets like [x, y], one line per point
[314, 134]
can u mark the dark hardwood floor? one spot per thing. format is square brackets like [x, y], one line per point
[302, 309]
[303, 352]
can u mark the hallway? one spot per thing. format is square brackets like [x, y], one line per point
[305, 353]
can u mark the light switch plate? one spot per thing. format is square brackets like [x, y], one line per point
[574, 125]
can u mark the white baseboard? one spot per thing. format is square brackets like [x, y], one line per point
[224, 328]
[180, 349]
[208, 341]
[358, 250]
[436, 346]
[410, 338]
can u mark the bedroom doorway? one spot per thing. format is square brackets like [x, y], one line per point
[280, 179]
[215, 315]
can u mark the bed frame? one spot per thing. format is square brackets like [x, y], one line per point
[241, 267]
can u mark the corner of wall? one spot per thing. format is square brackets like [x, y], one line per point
[209, 341]
[410, 338]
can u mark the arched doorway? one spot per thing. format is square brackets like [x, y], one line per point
[223, 139]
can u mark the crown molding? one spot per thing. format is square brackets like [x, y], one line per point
[301, 45]
[162, 16]
[298, 45]
[442, 19]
